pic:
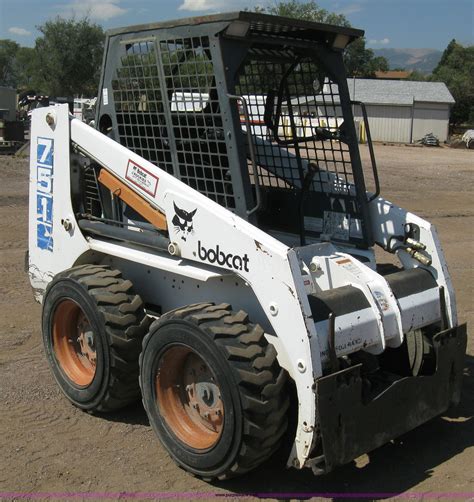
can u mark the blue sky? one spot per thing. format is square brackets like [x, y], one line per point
[387, 23]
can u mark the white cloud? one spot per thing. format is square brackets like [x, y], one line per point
[196, 5]
[350, 9]
[19, 31]
[220, 5]
[384, 41]
[101, 11]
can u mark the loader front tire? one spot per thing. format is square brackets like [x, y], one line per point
[213, 390]
[93, 328]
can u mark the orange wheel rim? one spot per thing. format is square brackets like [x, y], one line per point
[189, 398]
[74, 343]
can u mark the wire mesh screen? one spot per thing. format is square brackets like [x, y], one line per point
[196, 115]
[168, 112]
[307, 127]
[139, 105]
[298, 130]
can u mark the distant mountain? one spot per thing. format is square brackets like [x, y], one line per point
[422, 60]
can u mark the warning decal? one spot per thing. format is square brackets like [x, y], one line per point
[142, 178]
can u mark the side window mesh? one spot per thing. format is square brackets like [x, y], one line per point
[308, 124]
[168, 112]
[297, 126]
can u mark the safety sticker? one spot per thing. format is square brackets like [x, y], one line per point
[349, 266]
[44, 193]
[381, 300]
[142, 178]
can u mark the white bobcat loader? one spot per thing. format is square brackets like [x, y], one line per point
[247, 236]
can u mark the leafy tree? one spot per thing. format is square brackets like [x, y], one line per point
[17, 65]
[456, 70]
[417, 76]
[306, 10]
[8, 51]
[69, 57]
[378, 63]
[359, 60]
[25, 68]
[447, 52]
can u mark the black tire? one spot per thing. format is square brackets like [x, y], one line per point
[251, 383]
[118, 324]
[420, 353]
[414, 357]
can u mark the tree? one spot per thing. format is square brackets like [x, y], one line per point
[25, 68]
[447, 52]
[69, 57]
[456, 70]
[8, 51]
[359, 60]
[417, 76]
[306, 10]
[17, 65]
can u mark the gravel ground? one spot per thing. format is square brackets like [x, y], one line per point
[47, 445]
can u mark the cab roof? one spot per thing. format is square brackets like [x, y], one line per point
[245, 23]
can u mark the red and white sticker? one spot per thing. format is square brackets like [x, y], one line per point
[142, 178]
[350, 266]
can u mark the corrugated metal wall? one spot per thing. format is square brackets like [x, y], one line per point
[388, 122]
[400, 123]
[430, 117]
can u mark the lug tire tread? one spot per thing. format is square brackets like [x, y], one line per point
[125, 323]
[255, 369]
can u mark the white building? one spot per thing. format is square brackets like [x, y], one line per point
[403, 111]
[399, 111]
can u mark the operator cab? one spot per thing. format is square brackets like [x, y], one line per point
[251, 110]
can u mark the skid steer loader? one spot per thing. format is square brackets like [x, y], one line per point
[210, 247]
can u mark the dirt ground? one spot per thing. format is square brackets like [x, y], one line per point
[47, 445]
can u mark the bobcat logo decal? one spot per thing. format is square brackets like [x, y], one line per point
[183, 222]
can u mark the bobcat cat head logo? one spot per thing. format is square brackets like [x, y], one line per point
[183, 221]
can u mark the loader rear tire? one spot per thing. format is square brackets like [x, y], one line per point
[213, 390]
[93, 328]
